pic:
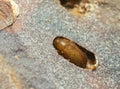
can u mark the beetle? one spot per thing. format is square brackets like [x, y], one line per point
[75, 53]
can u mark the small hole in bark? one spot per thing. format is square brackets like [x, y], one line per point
[69, 4]
[78, 7]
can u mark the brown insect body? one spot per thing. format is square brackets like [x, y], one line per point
[74, 53]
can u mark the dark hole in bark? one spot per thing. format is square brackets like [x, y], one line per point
[69, 4]
[89, 54]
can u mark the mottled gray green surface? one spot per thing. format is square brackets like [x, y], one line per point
[39, 65]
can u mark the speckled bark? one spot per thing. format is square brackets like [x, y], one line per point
[30, 39]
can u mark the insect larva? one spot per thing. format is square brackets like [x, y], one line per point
[75, 53]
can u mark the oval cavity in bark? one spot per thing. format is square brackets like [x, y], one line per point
[75, 53]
